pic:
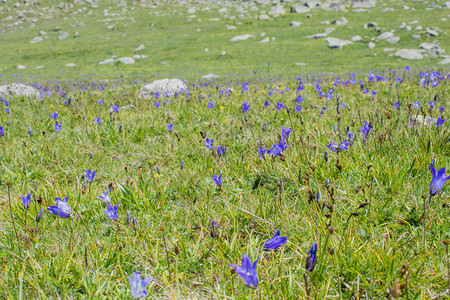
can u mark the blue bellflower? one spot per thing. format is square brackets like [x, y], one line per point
[170, 127]
[221, 150]
[98, 120]
[261, 152]
[111, 211]
[247, 271]
[105, 198]
[210, 105]
[311, 259]
[440, 121]
[217, 180]
[26, 201]
[54, 115]
[90, 175]
[62, 209]
[285, 132]
[58, 127]
[138, 286]
[367, 127]
[209, 143]
[245, 107]
[275, 242]
[438, 180]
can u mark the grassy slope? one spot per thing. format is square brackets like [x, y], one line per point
[174, 39]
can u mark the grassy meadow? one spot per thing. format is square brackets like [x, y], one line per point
[323, 152]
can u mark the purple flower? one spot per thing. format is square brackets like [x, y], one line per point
[209, 143]
[157, 104]
[277, 149]
[440, 121]
[366, 129]
[261, 152]
[210, 105]
[343, 105]
[58, 127]
[54, 115]
[332, 146]
[245, 107]
[267, 103]
[285, 132]
[30, 132]
[311, 259]
[170, 127]
[432, 103]
[298, 108]
[275, 242]
[399, 80]
[343, 145]
[111, 212]
[365, 91]
[279, 105]
[2, 132]
[138, 286]
[323, 110]
[61, 209]
[105, 198]
[247, 271]
[441, 109]
[98, 120]
[115, 108]
[438, 180]
[26, 201]
[416, 104]
[221, 150]
[397, 104]
[7, 110]
[407, 68]
[374, 93]
[100, 101]
[90, 175]
[299, 99]
[218, 180]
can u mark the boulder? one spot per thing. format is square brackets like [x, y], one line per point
[126, 60]
[277, 10]
[299, 9]
[162, 86]
[409, 54]
[432, 49]
[335, 43]
[17, 89]
[295, 24]
[364, 3]
[340, 21]
[335, 6]
[356, 38]
[244, 37]
[312, 3]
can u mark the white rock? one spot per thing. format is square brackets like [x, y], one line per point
[341, 21]
[70, 65]
[445, 61]
[417, 121]
[371, 45]
[141, 47]
[106, 61]
[409, 54]
[242, 37]
[263, 41]
[20, 67]
[36, 40]
[126, 60]
[264, 17]
[161, 87]
[295, 24]
[18, 90]
[299, 9]
[335, 43]
[210, 76]
[364, 3]
[356, 38]
[63, 36]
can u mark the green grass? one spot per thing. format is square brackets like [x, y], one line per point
[172, 37]
[358, 254]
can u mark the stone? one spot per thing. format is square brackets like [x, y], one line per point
[36, 40]
[432, 49]
[295, 24]
[418, 28]
[263, 17]
[335, 6]
[432, 32]
[277, 10]
[162, 86]
[63, 36]
[371, 45]
[299, 9]
[371, 25]
[416, 36]
[244, 37]
[356, 38]
[141, 47]
[223, 53]
[364, 3]
[317, 36]
[312, 3]
[385, 35]
[340, 21]
[21, 67]
[17, 89]
[210, 76]
[266, 40]
[42, 33]
[126, 60]
[447, 4]
[106, 61]
[409, 54]
[335, 43]
[444, 62]
[70, 65]
[191, 11]
[418, 121]
[392, 39]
